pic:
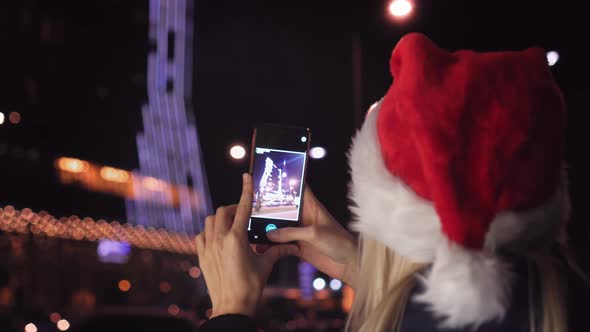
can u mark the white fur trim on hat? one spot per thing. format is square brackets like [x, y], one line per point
[385, 207]
[464, 287]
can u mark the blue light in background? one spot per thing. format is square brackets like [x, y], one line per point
[110, 251]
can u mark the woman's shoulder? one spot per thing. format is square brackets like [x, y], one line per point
[526, 306]
[418, 317]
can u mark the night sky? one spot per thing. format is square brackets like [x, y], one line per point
[76, 72]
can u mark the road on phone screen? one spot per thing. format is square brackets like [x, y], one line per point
[282, 213]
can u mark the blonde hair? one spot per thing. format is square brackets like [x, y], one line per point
[385, 282]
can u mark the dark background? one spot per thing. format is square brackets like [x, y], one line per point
[76, 72]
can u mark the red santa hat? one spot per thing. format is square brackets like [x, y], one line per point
[462, 160]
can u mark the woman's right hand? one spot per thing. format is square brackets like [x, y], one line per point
[322, 241]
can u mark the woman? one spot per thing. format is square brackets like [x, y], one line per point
[459, 195]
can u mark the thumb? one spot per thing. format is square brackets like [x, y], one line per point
[288, 234]
[277, 251]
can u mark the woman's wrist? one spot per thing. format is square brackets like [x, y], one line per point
[350, 272]
[246, 308]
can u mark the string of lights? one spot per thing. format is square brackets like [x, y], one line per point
[87, 229]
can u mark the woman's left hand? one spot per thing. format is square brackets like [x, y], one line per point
[235, 274]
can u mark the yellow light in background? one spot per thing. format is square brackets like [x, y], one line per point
[122, 182]
[153, 184]
[44, 224]
[347, 298]
[124, 285]
[114, 174]
[30, 328]
[72, 165]
[63, 325]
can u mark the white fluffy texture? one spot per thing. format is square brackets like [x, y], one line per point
[466, 288]
[386, 209]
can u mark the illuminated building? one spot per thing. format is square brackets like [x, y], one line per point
[169, 147]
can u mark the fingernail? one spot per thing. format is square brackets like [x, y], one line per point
[273, 234]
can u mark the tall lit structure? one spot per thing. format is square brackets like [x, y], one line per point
[169, 147]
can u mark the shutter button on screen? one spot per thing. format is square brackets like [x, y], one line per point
[270, 227]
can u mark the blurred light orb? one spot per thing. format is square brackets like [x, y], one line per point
[335, 284]
[237, 152]
[30, 328]
[153, 184]
[114, 175]
[72, 165]
[124, 285]
[1, 122]
[63, 325]
[552, 57]
[55, 317]
[194, 272]
[303, 139]
[317, 152]
[14, 117]
[400, 8]
[319, 284]
[173, 309]
[165, 287]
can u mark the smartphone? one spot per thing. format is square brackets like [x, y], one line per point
[278, 163]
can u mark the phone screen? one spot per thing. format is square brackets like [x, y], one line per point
[278, 164]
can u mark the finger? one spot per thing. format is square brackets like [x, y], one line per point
[200, 240]
[310, 207]
[288, 234]
[314, 212]
[275, 252]
[245, 206]
[223, 218]
[209, 222]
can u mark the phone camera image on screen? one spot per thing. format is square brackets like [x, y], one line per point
[278, 163]
[278, 182]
